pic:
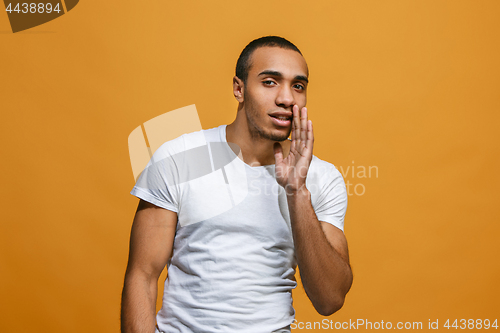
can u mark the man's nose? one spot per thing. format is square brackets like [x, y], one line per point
[285, 97]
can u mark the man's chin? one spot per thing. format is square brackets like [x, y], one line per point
[278, 136]
[274, 134]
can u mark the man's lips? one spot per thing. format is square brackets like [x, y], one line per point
[282, 115]
[281, 118]
[286, 114]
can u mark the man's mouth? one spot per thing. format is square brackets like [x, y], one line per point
[282, 117]
[281, 120]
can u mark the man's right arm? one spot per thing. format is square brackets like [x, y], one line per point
[151, 242]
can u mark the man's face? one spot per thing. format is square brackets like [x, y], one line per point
[277, 80]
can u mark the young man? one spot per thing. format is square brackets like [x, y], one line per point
[233, 236]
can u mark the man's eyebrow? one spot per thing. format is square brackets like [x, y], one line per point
[301, 78]
[279, 74]
[270, 72]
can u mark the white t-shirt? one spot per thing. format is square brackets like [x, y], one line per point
[233, 262]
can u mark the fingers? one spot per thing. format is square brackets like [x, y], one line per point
[278, 160]
[303, 124]
[278, 153]
[310, 135]
[295, 123]
[299, 126]
[302, 132]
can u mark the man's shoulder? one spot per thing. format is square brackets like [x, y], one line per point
[323, 174]
[322, 168]
[191, 140]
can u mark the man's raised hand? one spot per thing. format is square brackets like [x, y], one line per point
[291, 172]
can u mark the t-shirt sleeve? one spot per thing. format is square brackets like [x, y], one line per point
[330, 196]
[157, 182]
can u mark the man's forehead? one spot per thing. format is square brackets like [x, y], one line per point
[285, 61]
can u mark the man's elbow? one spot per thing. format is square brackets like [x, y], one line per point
[332, 300]
[330, 307]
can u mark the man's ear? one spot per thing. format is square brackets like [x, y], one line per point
[238, 89]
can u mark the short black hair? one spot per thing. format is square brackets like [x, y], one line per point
[243, 63]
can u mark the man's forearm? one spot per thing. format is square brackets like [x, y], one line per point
[325, 274]
[138, 313]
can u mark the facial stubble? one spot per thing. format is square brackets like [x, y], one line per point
[259, 133]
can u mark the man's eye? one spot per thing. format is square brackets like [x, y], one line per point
[269, 82]
[299, 86]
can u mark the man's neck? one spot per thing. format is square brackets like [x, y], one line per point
[256, 150]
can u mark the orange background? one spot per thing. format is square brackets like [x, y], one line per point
[411, 87]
